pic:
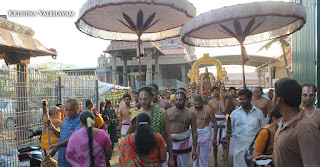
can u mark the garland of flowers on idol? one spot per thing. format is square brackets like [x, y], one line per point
[212, 79]
[196, 91]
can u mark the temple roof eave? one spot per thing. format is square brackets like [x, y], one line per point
[17, 38]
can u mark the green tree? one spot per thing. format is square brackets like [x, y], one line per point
[285, 48]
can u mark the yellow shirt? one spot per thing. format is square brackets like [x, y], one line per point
[45, 143]
[99, 121]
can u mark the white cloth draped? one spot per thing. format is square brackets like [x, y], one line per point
[124, 129]
[180, 143]
[203, 147]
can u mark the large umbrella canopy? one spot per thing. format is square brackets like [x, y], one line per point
[134, 20]
[122, 19]
[243, 24]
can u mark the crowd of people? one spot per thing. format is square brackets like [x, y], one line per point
[173, 129]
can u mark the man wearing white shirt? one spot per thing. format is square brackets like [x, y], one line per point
[246, 121]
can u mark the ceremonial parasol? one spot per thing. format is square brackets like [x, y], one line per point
[244, 24]
[134, 20]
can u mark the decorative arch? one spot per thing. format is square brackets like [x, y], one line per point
[206, 59]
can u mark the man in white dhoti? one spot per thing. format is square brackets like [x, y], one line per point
[246, 121]
[181, 118]
[125, 115]
[204, 114]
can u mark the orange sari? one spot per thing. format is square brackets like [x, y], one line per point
[129, 158]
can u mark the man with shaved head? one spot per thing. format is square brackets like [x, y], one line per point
[55, 118]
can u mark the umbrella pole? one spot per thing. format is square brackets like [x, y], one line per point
[243, 74]
[114, 93]
[139, 52]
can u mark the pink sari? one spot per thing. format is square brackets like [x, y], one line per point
[77, 152]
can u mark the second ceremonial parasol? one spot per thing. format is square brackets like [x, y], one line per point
[244, 24]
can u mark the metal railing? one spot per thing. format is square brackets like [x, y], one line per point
[21, 94]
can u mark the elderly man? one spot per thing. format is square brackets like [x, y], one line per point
[204, 114]
[55, 118]
[296, 143]
[70, 124]
[180, 119]
[246, 121]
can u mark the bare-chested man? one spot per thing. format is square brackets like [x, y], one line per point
[187, 103]
[261, 102]
[205, 99]
[125, 115]
[309, 91]
[220, 111]
[180, 118]
[232, 96]
[204, 114]
[162, 103]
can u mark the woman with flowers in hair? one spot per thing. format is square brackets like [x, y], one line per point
[88, 146]
[142, 148]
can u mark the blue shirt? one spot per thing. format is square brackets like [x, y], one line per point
[67, 128]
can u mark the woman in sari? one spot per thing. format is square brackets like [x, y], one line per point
[88, 146]
[142, 148]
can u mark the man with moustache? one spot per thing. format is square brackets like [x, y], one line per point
[180, 119]
[246, 121]
[309, 91]
[204, 115]
[162, 103]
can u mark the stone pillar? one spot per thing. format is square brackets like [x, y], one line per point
[114, 69]
[270, 75]
[132, 79]
[117, 78]
[259, 75]
[156, 69]
[125, 71]
[160, 81]
[183, 73]
[149, 68]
